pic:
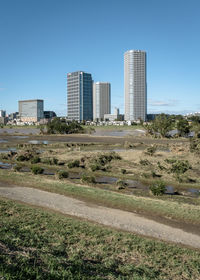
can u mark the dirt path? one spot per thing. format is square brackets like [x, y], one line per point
[106, 216]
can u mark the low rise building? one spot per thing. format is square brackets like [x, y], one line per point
[31, 110]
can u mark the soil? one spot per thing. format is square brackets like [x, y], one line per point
[116, 218]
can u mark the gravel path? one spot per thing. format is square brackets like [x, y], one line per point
[103, 215]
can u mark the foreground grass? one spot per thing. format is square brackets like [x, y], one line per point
[36, 244]
[174, 210]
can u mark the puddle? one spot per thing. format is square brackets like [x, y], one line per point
[106, 180]
[7, 150]
[5, 165]
[170, 190]
[3, 141]
[48, 172]
[194, 192]
[37, 142]
[20, 137]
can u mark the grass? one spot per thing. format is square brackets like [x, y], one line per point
[36, 244]
[182, 212]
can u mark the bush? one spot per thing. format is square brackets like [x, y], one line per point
[17, 167]
[123, 171]
[63, 174]
[158, 188]
[180, 166]
[21, 158]
[151, 150]
[95, 167]
[50, 161]
[75, 163]
[121, 184]
[144, 162]
[88, 179]
[35, 160]
[37, 169]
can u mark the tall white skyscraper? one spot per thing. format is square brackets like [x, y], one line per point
[101, 100]
[135, 86]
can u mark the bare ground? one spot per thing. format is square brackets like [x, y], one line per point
[110, 217]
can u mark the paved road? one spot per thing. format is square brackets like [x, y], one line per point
[103, 215]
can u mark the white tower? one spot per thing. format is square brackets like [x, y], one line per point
[135, 87]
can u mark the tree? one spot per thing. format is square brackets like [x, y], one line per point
[58, 125]
[162, 125]
[183, 127]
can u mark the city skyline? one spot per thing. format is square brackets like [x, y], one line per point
[41, 41]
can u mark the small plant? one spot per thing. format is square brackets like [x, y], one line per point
[158, 188]
[151, 150]
[75, 163]
[123, 171]
[95, 167]
[180, 166]
[35, 160]
[63, 174]
[21, 158]
[161, 167]
[17, 167]
[88, 179]
[37, 169]
[121, 184]
[144, 162]
[170, 160]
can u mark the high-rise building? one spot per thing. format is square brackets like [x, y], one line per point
[101, 100]
[79, 96]
[31, 110]
[2, 113]
[135, 86]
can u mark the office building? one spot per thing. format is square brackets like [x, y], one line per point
[49, 114]
[101, 100]
[79, 96]
[2, 114]
[135, 87]
[31, 110]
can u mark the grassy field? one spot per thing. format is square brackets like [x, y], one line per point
[36, 244]
[154, 206]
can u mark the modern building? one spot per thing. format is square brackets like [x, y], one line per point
[79, 96]
[135, 86]
[101, 100]
[49, 114]
[114, 117]
[31, 110]
[2, 114]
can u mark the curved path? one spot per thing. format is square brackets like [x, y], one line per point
[103, 215]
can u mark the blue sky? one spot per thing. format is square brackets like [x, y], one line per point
[42, 40]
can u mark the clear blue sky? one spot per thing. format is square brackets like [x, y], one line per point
[42, 40]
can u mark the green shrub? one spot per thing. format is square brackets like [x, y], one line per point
[121, 184]
[158, 188]
[50, 161]
[63, 174]
[151, 150]
[180, 166]
[17, 167]
[37, 169]
[35, 159]
[170, 160]
[21, 158]
[88, 179]
[95, 167]
[144, 162]
[161, 167]
[75, 163]
[123, 171]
